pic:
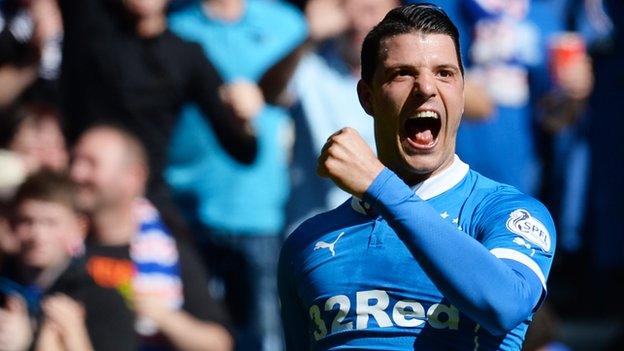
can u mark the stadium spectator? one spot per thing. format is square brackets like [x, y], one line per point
[427, 254]
[30, 140]
[31, 130]
[243, 38]
[50, 288]
[121, 63]
[559, 91]
[132, 252]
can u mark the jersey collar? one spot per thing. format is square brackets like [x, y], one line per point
[429, 188]
[442, 182]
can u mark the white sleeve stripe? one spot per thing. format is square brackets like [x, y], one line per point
[514, 255]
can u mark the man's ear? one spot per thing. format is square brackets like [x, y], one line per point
[366, 97]
[139, 176]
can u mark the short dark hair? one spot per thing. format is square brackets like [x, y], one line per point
[47, 186]
[421, 18]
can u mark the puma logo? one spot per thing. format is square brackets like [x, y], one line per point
[330, 246]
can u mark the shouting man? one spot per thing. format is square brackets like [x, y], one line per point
[428, 254]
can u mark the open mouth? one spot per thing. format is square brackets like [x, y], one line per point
[423, 128]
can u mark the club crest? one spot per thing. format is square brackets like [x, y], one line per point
[530, 228]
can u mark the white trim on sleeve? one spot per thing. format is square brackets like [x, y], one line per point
[514, 255]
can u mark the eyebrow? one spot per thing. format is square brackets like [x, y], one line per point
[448, 66]
[398, 66]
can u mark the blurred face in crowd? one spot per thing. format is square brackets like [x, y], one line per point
[40, 142]
[363, 15]
[146, 8]
[416, 98]
[46, 230]
[103, 170]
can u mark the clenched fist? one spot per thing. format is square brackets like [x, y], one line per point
[15, 330]
[349, 162]
[244, 97]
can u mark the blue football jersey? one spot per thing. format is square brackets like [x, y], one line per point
[347, 281]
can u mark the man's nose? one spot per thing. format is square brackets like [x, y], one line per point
[38, 228]
[424, 85]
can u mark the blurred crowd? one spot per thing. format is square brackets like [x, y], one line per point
[154, 155]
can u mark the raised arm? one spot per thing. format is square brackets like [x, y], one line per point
[495, 288]
[497, 292]
[274, 82]
[325, 19]
[235, 134]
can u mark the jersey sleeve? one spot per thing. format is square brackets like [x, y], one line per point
[520, 231]
[484, 292]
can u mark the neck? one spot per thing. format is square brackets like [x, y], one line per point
[412, 178]
[415, 179]
[44, 277]
[226, 10]
[114, 226]
[151, 26]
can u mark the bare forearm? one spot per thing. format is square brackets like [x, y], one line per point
[49, 339]
[14, 80]
[189, 334]
[275, 80]
[77, 340]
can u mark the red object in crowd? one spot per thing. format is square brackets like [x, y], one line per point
[564, 49]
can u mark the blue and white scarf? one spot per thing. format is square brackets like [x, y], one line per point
[155, 256]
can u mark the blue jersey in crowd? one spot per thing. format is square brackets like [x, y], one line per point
[458, 264]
